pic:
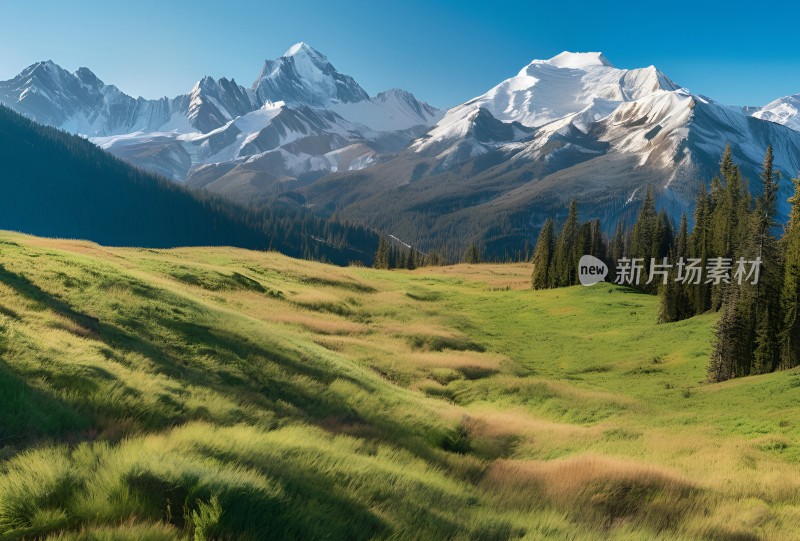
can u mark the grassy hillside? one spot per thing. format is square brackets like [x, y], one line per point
[217, 393]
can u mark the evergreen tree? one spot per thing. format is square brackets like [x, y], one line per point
[698, 249]
[645, 231]
[682, 240]
[668, 301]
[473, 254]
[617, 249]
[730, 356]
[725, 215]
[737, 206]
[790, 296]
[411, 259]
[664, 237]
[674, 301]
[565, 261]
[382, 254]
[647, 236]
[684, 307]
[543, 256]
[433, 259]
[597, 245]
[765, 314]
[766, 352]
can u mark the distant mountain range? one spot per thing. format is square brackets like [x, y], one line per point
[488, 170]
[301, 117]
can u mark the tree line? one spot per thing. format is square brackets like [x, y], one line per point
[390, 256]
[751, 268]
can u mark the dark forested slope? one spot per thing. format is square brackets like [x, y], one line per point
[59, 185]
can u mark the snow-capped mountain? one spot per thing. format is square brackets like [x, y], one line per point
[784, 111]
[543, 92]
[548, 90]
[301, 116]
[573, 126]
[576, 107]
[81, 103]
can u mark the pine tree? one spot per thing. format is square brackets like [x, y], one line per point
[617, 249]
[564, 259]
[730, 352]
[664, 236]
[682, 240]
[647, 235]
[766, 352]
[790, 295]
[473, 254]
[726, 166]
[433, 259]
[668, 299]
[683, 302]
[645, 231]
[674, 301]
[382, 254]
[765, 314]
[698, 249]
[767, 202]
[543, 256]
[737, 205]
[597, 244]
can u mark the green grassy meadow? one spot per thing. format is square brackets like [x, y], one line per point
[214, 393]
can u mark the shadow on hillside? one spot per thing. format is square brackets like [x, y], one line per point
[170, 343]
[29, 414]
[31, 291]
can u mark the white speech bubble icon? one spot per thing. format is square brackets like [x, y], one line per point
[591, 270]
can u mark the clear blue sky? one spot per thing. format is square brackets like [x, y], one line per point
[445, 52]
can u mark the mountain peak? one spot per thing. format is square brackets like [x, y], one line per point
[303, 75]
[304, 49]
[580, 60]
[46, 65]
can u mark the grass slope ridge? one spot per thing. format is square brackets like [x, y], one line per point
[56, 184]
[218, 393]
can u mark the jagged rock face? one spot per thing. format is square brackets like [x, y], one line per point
[214, 103]
[81, 103]
[50, 94]
[304, 76]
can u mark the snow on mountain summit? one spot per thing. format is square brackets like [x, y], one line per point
[579, 60]
[548, 90]
[302, 47]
